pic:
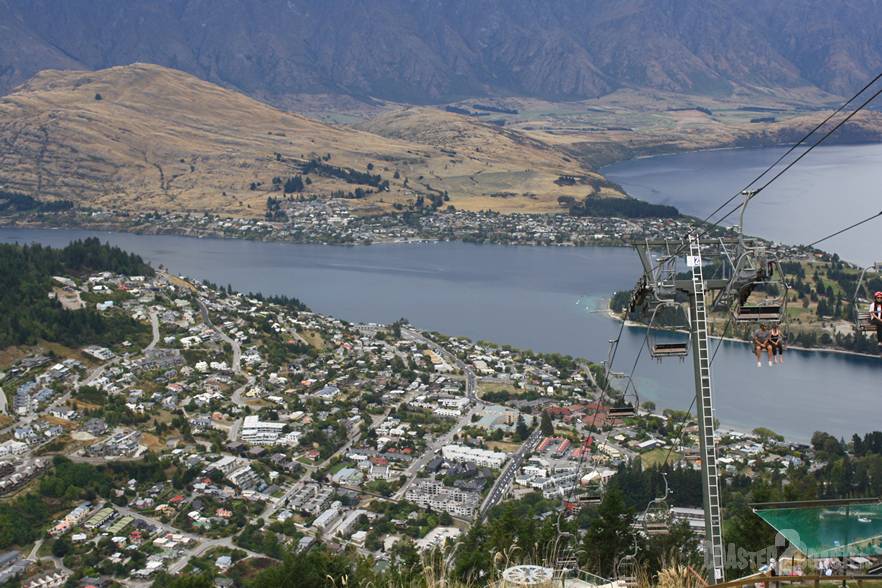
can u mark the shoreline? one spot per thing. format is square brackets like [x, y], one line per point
[724, 148]
[185, 234]
[154, 231]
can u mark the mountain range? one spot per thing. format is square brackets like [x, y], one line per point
[436, 51]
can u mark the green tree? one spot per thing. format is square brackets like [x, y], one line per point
[521, 430]
[294, 184]
[546, 425]
[61, 547]
[766, 434]
[610, 535]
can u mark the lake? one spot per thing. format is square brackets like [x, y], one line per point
[547, 299]
[830, 189]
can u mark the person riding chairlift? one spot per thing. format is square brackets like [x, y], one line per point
[776, 340]
[876, 317]
[761, 342]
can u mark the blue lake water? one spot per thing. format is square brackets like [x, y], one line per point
[830, 189]
[548, 299]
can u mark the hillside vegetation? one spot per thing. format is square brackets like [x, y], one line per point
[144, 137]
[26, 275]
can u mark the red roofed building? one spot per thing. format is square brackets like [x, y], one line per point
[558, 411]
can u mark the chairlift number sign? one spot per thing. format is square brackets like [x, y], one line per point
[693, 260]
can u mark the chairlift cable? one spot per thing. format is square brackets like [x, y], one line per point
[801, 155]
[603, 392]
[692, 404]
[794, 146]
[848, 228]
[716, 223]
[822, 139]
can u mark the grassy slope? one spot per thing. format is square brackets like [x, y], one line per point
[162, 139]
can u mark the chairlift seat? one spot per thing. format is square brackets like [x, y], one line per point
[622, 411]
[656, 528]
[863, 322]
[660, 350]
[589, 498]
[757, 313]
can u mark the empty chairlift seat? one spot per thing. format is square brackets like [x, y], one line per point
[626, 410]
[660, 350]
[752, 313]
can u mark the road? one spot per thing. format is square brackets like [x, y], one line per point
[274, 505]
[32, 556]
[238, 400]
[431, 451]
[154, 324]
[471, 385]
[200, 546]
[471, 381]
[504, 481]
[237, 349]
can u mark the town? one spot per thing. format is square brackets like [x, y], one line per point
[331, 221]
[231, 429]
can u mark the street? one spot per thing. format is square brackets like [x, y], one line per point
[507, 477]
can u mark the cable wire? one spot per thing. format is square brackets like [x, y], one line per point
[716, 223]
[794, 146]
[803, 154]
[848, 228]
[599, 401]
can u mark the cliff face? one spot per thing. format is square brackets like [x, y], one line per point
[426, 51]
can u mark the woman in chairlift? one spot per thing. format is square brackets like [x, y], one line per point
[761, 342]
[776, 340]
[876, 317]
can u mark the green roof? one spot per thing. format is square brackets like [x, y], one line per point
[836, 530]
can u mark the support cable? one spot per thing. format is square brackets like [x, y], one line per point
[848, 228]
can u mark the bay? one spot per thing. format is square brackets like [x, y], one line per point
[830, 189]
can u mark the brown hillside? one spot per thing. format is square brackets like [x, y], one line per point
[162, 139]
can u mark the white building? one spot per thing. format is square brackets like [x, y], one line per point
[481, 457]
[435, 495]
[327, 518]
[437, 537]
[259, 432]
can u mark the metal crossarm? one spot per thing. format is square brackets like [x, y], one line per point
[710, 478]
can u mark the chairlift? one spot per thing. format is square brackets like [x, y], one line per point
[657, 516]
[661, 349]
[565, 556]
[626, 568]
[628, 403]
[862, 299]
[773, 308]
[754, 267]
[591, 495]
[592, 492]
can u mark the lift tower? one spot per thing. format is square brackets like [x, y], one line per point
[662, 281]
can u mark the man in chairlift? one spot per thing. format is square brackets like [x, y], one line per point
[762, 342]
[876, 317]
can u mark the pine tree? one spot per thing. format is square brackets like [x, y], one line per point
[546, 425]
